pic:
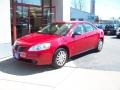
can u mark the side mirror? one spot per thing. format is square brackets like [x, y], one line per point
[76, 34]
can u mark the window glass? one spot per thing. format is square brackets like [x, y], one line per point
[79, 29]
[73, 19]
[46, 3]
[33, 2]
[89, 27]
[56, 28]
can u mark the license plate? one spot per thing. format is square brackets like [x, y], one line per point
[108, 32]
[16, 55]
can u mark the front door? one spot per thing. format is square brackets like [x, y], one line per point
[78, 40]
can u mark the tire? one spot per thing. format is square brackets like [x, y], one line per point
[99, 46]
[60, 58]
[118, 36]
[108, 33]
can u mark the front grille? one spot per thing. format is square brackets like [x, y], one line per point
[28, 61]
[20, 48]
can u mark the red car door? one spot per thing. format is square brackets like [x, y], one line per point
[91, 36]
[77, 43]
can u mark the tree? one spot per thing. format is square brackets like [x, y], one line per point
[80, 4]
[97, 19]
[75, 3]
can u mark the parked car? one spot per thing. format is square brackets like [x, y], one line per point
[110, 30]
[57, 42]
[101, 26]
[118, 32]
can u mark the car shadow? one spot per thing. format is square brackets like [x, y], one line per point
[82, 55]
[18, 68]
[115, 37]
[81, 61]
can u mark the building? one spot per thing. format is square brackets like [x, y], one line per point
[21, 17]
[76, 14]
[82, 10]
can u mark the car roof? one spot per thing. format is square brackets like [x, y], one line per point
[72, 22]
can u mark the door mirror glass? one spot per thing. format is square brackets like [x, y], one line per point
[77, 33]
[78, 30]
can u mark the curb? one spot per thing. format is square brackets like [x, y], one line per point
[6, 58]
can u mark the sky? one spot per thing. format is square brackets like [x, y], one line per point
[106, 9]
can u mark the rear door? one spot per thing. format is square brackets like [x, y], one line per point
[91, 36]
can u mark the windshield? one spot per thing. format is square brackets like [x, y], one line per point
[56, 28]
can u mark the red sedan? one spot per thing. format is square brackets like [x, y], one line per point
[55, 43]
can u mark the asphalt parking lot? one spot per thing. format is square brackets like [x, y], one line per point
[97, 71]
[108, 59]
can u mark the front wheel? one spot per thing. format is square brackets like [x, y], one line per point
[99, 46]
[60, 57]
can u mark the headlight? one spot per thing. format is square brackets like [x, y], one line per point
[40, 47]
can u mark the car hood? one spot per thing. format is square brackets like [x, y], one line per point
[36, 38]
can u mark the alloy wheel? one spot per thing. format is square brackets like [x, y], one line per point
[61, 58]
[100, 45]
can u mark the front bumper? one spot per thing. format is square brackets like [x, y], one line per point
[36, 57]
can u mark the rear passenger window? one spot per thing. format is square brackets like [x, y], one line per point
[89, 28]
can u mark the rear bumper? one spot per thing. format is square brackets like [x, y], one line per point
[109, 32]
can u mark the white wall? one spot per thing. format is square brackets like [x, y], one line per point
[62, 9]
[5, 25]
[66, 10]
[59, 9]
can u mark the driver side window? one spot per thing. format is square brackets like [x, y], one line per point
[79, 29]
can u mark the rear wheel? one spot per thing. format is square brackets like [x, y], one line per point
[99, 46]
[60, 58]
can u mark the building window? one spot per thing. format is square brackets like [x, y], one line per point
[33, 2]
[46, 3]
[81, 19]
[28, 16]
[73, 19]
